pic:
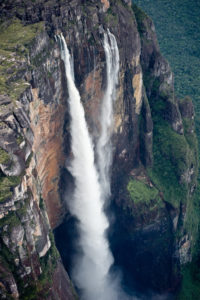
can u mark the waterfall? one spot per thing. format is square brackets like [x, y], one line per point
[104, 145]
[92, 266]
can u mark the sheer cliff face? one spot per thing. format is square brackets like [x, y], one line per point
[154, 168]
[33, 107]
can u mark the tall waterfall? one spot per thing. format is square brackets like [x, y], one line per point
[104, 145]
[92, 266]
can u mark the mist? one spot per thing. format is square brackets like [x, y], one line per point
[104, 144]
[91, 269]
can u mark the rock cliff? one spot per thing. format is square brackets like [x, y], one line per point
[155, 150]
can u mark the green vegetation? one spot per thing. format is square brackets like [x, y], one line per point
[41, 287]
[111, 17]
[11, 220]
[174, 154]
[40, 57]
[16, 37]
[190, 285]
[4, 157]
[37, 289]
[190, 288]
[29, 159]
[141, 192]
[6, 256]
[140, 16]
[16, 40]
[22, 211]
[48, 264]
[177, 28]
[190, 136]
[41, 203]
[53, 250]
[20, 139]
[146, 199]
[7, 183]
[29, 293]
[172, 157]
[192, 221]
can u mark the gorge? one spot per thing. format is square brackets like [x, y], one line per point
[92, 134]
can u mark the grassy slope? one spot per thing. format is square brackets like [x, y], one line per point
[15, 41]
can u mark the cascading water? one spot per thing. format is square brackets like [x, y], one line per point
[104, 145]
[92, 266]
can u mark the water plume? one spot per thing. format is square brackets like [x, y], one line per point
[91, 270]
[104, 145]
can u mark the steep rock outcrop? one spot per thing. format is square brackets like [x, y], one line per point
[157, 225]
[31, 155]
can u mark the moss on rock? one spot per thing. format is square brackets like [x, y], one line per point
[11, 220]
[140, 17]
[146, 201]
[174, 157]
[141, 192]
[16, 39]
[6, 186]
[190, 288]
[4, 157]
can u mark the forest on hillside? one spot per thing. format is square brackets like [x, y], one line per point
[177, 26]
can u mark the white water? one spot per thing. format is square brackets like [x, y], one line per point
[104, 145]
[92, 266]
